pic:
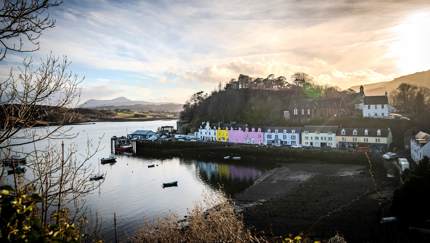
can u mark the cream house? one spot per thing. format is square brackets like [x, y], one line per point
[379, 138]
[319, 136]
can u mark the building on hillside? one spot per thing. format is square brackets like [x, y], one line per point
[376, 106]
[420, 146]
[370, 138]
[303, 110]
[222, 135]
[319, 136]
[282, 136]
[206, 133]
[246, 136]
[141, 135]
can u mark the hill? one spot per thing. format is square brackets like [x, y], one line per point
[133, 105]
[421, 79]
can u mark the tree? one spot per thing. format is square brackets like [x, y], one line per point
[300, 79]
[28, 93]
[21, 24]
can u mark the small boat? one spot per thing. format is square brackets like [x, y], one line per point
[128, 153]
[170, 184]
[110, 160]
[236, 158]
[17, 170]
[226, 157]
[390, 155]
[151, 166]
[97, 177]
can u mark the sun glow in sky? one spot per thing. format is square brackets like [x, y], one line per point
[411, 47]
[167, 50]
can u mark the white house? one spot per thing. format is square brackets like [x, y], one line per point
[206, 133]
[364, 137]
[282, 136]
[319, 136]
[376, 106]
[420, 146]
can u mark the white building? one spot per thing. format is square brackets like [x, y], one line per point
[206, 133]
[282, 136]
[319, 136]
[376, 107]
[364, 137]
[420, 146]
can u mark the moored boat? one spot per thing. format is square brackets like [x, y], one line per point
[14, 160]
[236, 158]
[226, 157]
[109, 160]
[151, 166]
[170, 184]
[97, 177]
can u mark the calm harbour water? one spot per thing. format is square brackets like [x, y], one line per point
[134, 192]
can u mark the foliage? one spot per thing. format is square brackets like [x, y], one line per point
[410, 201]
[255, 101]
[20, 221]
[411, 100]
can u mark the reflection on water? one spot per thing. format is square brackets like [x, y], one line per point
[134, 192]
[229, 177]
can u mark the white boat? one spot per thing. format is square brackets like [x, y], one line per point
[226, 157]
[236, 158]
[389, 155]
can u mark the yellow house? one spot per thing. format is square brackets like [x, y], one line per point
[222, 135]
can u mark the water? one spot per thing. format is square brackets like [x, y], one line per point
[134, 192]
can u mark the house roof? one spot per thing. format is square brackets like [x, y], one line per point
[321, 129]
[281, 129]
[375, 100]
[371, 132]
[143, 132]
[422, 137]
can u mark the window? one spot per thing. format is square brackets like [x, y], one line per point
[293, 131]
[378, 140]
[354, 132]
[343, 132]
[382, 114]
[276, 136]
[303, 111]
[295, 111]
[343, 139]
[354, 139]
[376, 114]
[269, 136]
[366, 140]
[382, 106]
[366, 132]
[293, 137]
[378, 132]
[368, 106]
[276, 130]
[330, 138]
[316, 138]
[309, 112]
[306, 138]
[285, 137]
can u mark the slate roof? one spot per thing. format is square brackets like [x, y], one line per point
[321, 129]
[422, 137]
[371, 132]
[375, 100]
[281, 129]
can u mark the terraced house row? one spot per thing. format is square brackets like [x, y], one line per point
[307, 136]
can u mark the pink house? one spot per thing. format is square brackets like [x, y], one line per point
[245, 136]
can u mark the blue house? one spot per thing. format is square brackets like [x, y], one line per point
[141, 135]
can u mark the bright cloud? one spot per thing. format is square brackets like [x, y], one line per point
[167, 50]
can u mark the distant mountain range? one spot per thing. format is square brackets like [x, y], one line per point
[134, 105]
[418, 79]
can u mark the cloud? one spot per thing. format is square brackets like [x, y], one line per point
[187, 46]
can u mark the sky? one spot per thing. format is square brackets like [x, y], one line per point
[164, 51]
